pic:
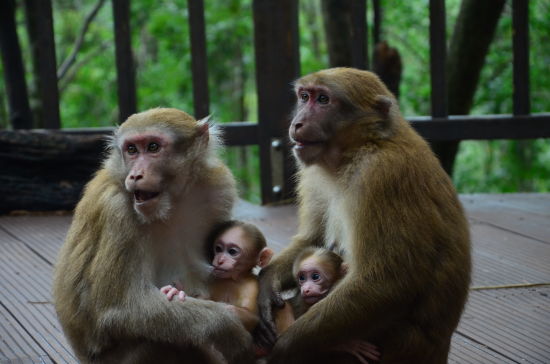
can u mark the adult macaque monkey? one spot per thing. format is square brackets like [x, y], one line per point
[370, 183]
[142, 222]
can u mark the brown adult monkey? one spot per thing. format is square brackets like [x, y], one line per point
[142, 222]
[370, 183]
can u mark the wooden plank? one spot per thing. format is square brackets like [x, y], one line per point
[199, 62]
[488, 127]
[529, 224]
[277, 65]
[25, 286]
[16, 345]
[278, 223]
[511, 322]
[43, 235]
[126, 79]
[40, 24]
[438, 56]
[498, 326]
[466, 351]
[503, 258]
[520, 39]
[14, 72]
[538, 203]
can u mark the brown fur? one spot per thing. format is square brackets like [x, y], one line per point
[112, 263]
[378, 190]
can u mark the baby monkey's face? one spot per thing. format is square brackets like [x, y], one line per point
[315, 279]
[234, 254]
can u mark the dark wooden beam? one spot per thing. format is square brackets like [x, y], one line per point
[487, 127]
[14, 72]
[126, 78]
[40, 24]
[438, 53]
[453, 128]
[238, 133]
[520, 25]
[277, 65]
[199, 62]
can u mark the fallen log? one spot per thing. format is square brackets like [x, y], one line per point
[46, 170]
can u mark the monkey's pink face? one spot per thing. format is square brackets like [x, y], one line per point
[308, 130]
[315, 281]
[146, 155]
[233, 255]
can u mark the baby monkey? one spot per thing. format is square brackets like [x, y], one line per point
[237, 248]
[317, 270]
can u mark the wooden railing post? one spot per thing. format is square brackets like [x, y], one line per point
[520, 25]
[438, 56]
[40, 23]
[277, 65]
[14, 72]
[126, 78]
[199, 62]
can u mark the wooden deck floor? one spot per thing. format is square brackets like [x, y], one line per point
[511, 242]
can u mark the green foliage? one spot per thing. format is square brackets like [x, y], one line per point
[481, 166]
[161, 46]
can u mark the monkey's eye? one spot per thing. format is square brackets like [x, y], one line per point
[315, 276]
[301, 277]
[218, 249]
[131, 149]
[234, 251]
[153, 147]
[323, 99]
[304, 96]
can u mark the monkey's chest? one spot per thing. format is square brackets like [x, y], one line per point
[337, 227]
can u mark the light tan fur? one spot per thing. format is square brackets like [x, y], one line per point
[377, 190]
[110, 267]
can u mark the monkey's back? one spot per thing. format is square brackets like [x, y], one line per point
[414, 236]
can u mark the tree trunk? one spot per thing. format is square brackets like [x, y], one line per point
[472, 36]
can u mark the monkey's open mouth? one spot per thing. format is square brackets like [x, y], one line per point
[302, 143]
[143, 196]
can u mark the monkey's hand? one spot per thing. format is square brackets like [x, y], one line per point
[360, 349]
[270, 296]
[171, 291]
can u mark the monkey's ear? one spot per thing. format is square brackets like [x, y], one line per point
[383, 104]
[204, 126]
[344, 267]
[264, 257]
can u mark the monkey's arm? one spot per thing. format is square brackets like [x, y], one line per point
[323, 326]
[274, 279]
[277, 276]
[192, 322]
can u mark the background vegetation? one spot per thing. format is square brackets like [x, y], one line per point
[162, 52]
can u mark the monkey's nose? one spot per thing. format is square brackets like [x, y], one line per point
[136, 177]
[298, 126]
